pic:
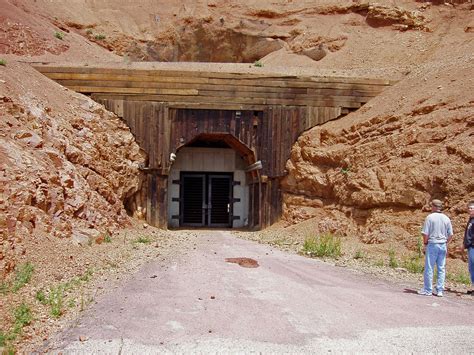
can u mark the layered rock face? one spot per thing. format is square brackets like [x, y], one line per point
[66, 165]
[375, 177]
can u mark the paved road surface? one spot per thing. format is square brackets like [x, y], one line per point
[289, 304]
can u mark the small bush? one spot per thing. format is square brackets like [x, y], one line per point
[392, 259]
[22, 276]
[359, 255]
[325, 245]
[143, 240]
[89, 31]
[22, 316]
[460, 277]
[99, 37]
[59, 35]
[3, 62]
[107, 238]
[55, 300]
[3, 338]
[87, 275]
[41, 297]
[258, 64]
[414, 265]
[379, 263]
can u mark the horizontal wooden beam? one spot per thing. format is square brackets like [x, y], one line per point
[206, 74]
[332, 102]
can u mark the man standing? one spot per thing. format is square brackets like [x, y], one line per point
[469, 244]
[437, 233]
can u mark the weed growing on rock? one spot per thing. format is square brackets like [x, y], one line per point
[3, 62]
[99, 37]
[59, 35]
[258, 64]
[107, 238]
[325, 245]
[22, 276]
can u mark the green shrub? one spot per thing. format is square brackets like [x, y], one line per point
[392, 259]
[22, 276]
[325, 245]
[143, 240]
[99, 37]
[22, 316]
[414, 265]
[107, 238]
[460, 277]
[3, 62]
[359, 255]
[59, 35]
[258, 64]
[3, 338]
[55, 300]
[41, 297]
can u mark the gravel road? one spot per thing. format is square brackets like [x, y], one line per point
[201, 303]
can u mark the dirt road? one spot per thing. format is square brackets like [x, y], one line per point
[201, 303]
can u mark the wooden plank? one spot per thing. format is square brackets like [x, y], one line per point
[206, 74]
[238, 100]
[301, 86]
[97, 89]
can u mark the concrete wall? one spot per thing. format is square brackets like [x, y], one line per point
[209, 160]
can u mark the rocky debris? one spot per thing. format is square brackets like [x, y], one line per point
[65, 172]
[402, 19]
[315, 53]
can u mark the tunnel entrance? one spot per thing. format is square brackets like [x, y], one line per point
[206, 200]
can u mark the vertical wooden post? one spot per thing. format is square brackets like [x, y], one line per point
[157, 196]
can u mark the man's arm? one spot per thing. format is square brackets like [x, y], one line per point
[425, 238]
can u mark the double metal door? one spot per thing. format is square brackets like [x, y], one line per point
[206, 200]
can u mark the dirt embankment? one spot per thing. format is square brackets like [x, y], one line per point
[375, 171]
[67, 165]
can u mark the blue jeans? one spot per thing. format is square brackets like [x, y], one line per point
[470, 254]
[435, 254]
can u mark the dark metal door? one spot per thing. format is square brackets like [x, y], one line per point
[193, 206]
[219, 197]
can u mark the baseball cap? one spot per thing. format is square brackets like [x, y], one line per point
[437, 203]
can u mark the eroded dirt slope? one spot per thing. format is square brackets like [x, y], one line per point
[374, 172]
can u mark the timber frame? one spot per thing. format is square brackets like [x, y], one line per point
[260, 116]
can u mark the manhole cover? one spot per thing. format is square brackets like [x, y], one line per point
[244, 262]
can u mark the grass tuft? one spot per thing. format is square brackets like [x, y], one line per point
[99, 37]
[325, 245]
[59, 35]
[22, 276]
[55, 300]
[258, 64]
[392, 259]
[460, 277]
[142, 240]
[414, 264]
[3, 62]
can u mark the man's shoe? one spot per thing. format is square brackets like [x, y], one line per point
[440, 294]
[423, 292]
[470, 292]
